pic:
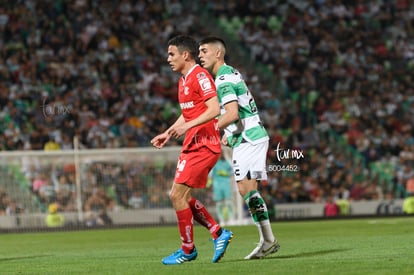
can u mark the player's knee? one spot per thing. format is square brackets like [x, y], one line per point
[174, 196]
[242, 190]
[245, 187]
[177, 197]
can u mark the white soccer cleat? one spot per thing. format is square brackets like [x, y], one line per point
[263, 249]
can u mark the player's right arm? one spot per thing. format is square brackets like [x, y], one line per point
[230, 115]
[212, 111]
[229, 100]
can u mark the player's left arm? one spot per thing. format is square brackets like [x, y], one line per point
[212, 111]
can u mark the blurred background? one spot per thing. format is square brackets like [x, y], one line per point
[84, 86]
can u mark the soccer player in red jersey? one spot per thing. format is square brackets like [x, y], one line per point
[201, 149]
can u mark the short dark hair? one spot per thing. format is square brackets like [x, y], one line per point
[185, 43]
[212, 39]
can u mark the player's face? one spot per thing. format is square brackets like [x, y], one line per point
[175, 59]
[207, 56]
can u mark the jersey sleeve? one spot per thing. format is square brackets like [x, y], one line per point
[227, 92]
[207, 86]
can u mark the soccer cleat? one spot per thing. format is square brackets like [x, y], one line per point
[263, 249]
[179, 257]
[220, 244]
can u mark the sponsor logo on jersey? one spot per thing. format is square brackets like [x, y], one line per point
[205, 84]
[201, 75]
[225, 88]
[187, 105]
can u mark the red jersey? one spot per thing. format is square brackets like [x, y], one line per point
[331, 209]
[193, 90]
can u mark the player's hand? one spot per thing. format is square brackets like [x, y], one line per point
[178, 131]
[160, 140]
[224, 140]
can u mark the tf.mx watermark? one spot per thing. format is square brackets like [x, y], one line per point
[55, 108]
[287, 158]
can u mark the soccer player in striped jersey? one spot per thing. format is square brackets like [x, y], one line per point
[245, 134]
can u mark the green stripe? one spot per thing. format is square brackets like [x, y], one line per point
[234, 140]
[256, 132]
[244, 111]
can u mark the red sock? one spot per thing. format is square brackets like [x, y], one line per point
[185, 225]
[203, 217]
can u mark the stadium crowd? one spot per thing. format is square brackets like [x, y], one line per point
[351, 64]
[97, 70]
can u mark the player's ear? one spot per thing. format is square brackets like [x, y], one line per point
[219, 53]
[186, 55]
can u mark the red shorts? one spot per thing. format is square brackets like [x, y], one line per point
[193, 167]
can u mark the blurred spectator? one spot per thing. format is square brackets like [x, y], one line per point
[47, 192]
[51, 145]
[136, 200]
[96, 208]
[410, 186]
[54, 218]
[4, 202]
[14, 208]
[330, 208]
[65, 190]
[408, 205]
[39, 180]
[357, 191]
[343, 205]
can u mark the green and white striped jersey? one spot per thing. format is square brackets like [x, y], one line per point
[231, 87]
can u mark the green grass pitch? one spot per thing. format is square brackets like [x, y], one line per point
[352, 246]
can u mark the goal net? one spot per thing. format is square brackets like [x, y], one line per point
[93, 187]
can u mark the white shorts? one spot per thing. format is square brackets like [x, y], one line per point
[250, 160]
